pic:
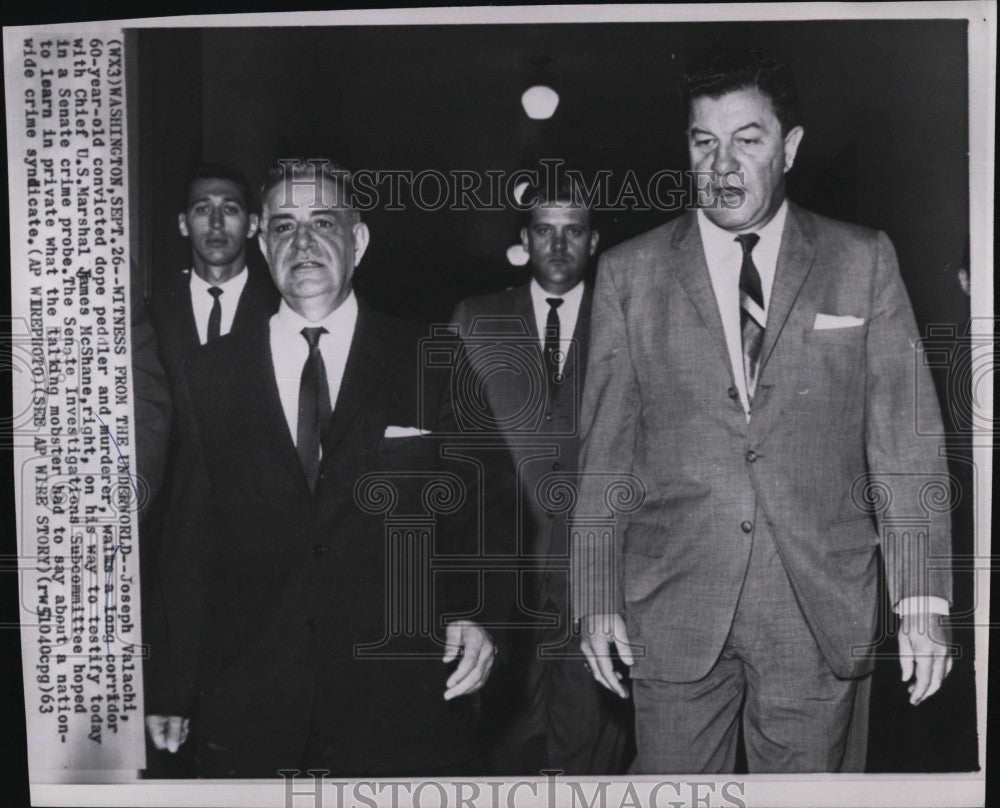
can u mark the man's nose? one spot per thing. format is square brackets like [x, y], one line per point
[215, 217]
[303, 237]
[558, 241]
[724, 160]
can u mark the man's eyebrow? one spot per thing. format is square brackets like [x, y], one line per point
[751, 125]
[224, 197]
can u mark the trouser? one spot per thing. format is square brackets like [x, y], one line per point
[797, 715]
[563, 720]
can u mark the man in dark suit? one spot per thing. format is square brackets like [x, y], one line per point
[752, 367]
[555, 716]
[303, 624]
[217, 293]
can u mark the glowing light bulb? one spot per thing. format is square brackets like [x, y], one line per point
[540, 102]
[517, 255]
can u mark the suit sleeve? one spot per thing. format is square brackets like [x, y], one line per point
[903, 460]
[180, 576]
[484, 527]
[152, 400]
[608, 425]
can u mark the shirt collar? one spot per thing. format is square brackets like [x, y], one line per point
[715, 238]
[289, 321]
[572, 297]
[234, 285]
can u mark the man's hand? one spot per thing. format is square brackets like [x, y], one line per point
[477, 658]
[923, 646]
[598, 633]
[167, 731]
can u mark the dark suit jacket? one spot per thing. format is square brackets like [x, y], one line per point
[542, 433]
[833, 430]
[177, 340]
[173, 317]
[269, 590]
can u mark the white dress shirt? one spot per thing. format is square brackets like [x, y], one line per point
[202, 301]
[568, 312]
[724, 257]
[289, 351]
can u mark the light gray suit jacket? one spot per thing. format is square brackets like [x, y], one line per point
[830, 457]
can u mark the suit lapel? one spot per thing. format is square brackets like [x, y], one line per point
[526, 309]
[688, 257]
[581, 338]
[795, 260]
[180, 318]
[365, 363]
[259, 390]
[257, 302]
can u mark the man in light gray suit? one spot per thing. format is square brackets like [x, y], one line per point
[752, 365]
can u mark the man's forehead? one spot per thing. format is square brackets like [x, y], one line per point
[307, 193]
[561, 212]
[740, 107]
[206, 188]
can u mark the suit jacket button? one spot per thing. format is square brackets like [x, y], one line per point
[556, 466]
[746, 526]
[751, 456]
[319, 549]
[548, 416]
[311, 624]
[733, 393]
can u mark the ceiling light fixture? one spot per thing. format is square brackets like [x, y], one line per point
[540, 102]
[517, 255]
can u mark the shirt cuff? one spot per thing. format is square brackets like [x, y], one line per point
[928, 604]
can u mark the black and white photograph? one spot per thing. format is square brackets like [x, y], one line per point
[566, 406]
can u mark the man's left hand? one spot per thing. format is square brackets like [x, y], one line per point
[923, 654]
[477, 658]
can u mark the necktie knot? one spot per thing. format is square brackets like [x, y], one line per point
[554, 302]
[748, 241]
[312, 335]
[214, 291]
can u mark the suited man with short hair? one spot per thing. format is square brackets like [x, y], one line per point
[553, 714]
[284, 572]
[218, 292]
[752, 365]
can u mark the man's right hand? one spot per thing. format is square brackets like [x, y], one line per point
[167, 731]
[598, 633]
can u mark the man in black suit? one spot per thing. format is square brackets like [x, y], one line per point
[561, 719]
[304, 626]
[217, 293]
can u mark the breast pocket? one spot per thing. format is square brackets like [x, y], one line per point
[836, 357]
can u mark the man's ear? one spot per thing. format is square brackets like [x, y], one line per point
[594, 238]
[524, 238]
[792, 140]
[361, 238]
[182, 225]
[253, 222]
[262, 242]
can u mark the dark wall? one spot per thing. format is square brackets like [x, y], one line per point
[885, 106]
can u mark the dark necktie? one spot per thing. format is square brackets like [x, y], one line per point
[215, 317]
[314, 406]
[552, 352]
[752, 318]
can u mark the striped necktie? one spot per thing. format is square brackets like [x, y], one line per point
[752, 315]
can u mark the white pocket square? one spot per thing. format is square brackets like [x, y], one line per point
[825, 322]
[404, 432]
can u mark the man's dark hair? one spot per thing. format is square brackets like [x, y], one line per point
[565, 191]
[721, 71]
[298, 168]
[219, 171]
